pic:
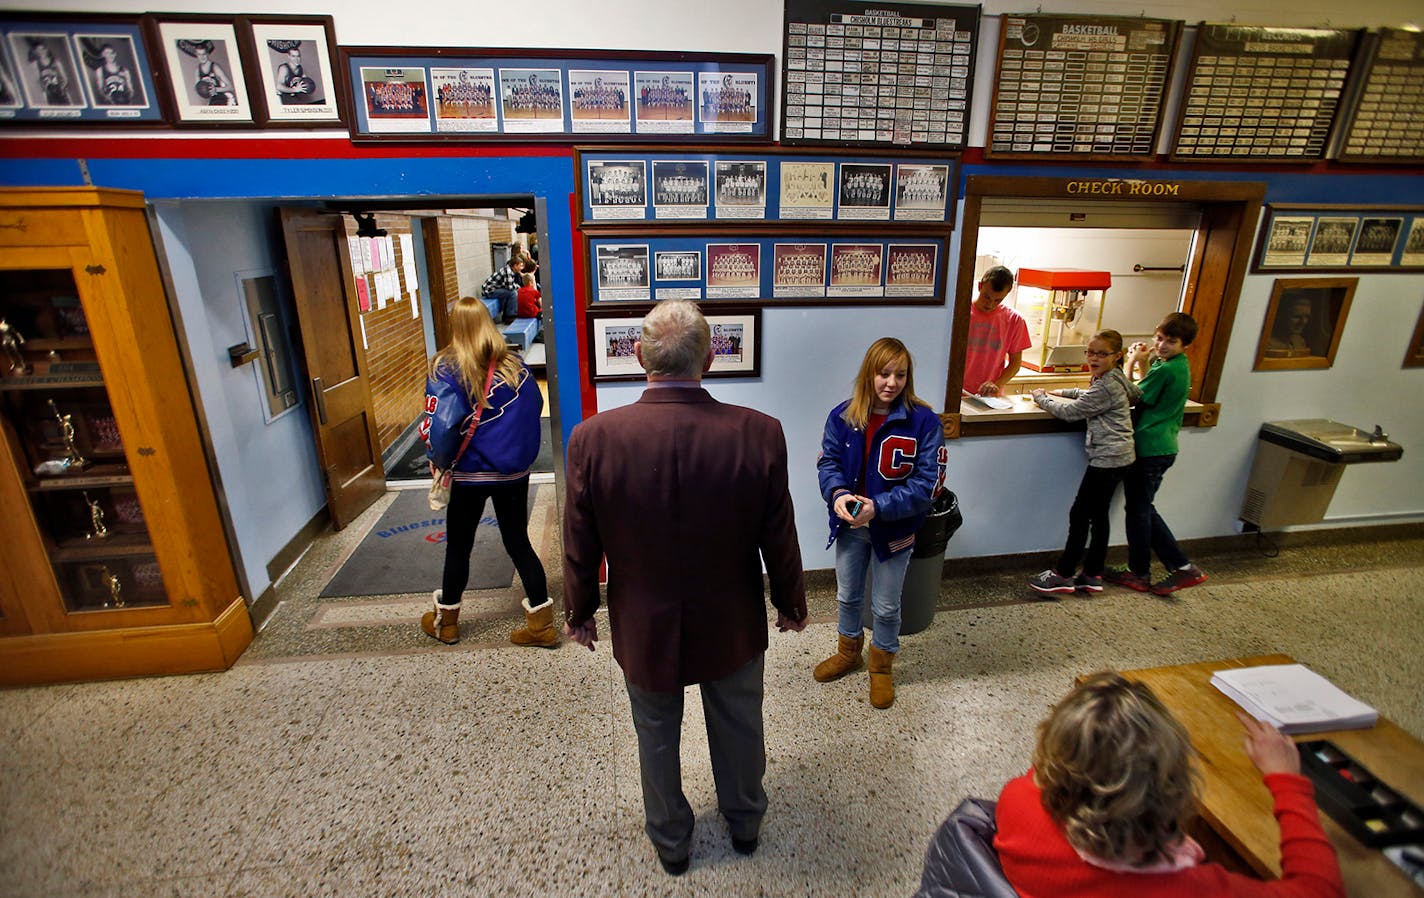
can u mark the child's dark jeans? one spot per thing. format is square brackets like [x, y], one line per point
[1146, 531]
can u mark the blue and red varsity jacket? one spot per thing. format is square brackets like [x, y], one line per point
[505, 443]
[907, 464]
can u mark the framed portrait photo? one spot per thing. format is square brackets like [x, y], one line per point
[294, 84]
[1304, 321]
[80, 69]
[205, 71]
[736, 343]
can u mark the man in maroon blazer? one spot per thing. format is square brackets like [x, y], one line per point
[686, 497]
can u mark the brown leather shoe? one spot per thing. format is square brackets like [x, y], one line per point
[882, 683]
[538, 629]
[846, 659]
[443, 623]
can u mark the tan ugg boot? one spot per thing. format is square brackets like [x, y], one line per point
[846, 659]
[443, 623]
[882, 684]
[538, 629]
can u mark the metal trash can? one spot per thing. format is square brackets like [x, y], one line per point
[926, 569]
[1298, 465]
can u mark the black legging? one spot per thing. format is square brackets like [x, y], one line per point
[511, 510]
[1089, 516]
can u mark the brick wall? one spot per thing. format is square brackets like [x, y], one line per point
[395, 352]
[471, 252]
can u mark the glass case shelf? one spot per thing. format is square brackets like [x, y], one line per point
[62, 426]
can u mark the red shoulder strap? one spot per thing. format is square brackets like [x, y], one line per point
[475, 418]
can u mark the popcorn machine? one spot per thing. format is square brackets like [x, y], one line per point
[1063, 308]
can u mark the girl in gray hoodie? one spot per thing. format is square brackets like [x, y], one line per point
[1106, 406]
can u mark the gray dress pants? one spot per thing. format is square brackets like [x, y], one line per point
[732, 707]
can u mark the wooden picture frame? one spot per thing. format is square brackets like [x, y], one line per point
[1414, 357]
[1303, 324]
[204, 67]
[295, 80]
[736, 343]
[58, 69]
[478, 94]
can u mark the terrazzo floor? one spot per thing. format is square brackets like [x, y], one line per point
[345, 754]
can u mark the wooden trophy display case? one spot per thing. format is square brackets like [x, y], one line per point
[114, 559]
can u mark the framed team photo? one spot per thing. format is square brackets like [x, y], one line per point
[910, 269]
[856, 269]
[395, 100]
[1376, 242]
[549, 95]
[664, 104]
[464, 99]
[622, 273]
[1334, 236]
[921, 191]
[611, 342]
[90, 69]
[680, 188]
[531, 100]
[618, 188]
[865, 191]
[808, 189]
[598, 101]
[736, 343]
[798, 270]
[733, 270]
[679, 274]
[727, 101]
[205, 71]
[293, 56]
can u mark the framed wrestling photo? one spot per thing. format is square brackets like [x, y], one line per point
[295, 85]
[736, 343]
[85, 69]
[204, 69]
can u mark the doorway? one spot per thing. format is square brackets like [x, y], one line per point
[401, 266]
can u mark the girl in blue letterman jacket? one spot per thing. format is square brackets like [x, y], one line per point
[494, 466]
[882, 461]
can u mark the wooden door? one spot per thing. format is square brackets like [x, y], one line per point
[343, 417]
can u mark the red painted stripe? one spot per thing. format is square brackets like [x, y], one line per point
[222, 147]
[587, 394]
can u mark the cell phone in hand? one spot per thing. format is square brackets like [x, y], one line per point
[853, 507]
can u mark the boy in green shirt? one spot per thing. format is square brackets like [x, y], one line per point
[1164, 388]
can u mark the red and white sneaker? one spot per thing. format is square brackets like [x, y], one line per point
[1179, 579]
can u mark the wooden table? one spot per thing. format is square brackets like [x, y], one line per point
[1236, 805]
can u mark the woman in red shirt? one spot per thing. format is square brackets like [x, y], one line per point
[1101, 813]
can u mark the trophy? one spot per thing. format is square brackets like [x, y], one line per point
[116, 590]
[96, 520]
[72, 458]
[10, 342]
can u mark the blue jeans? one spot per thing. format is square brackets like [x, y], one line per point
[854, 555]
[1146, 531]
[508, 303]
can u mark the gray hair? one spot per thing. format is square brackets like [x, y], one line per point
[676, 339]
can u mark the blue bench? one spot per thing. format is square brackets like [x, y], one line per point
[493, 306]
[521, 332]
